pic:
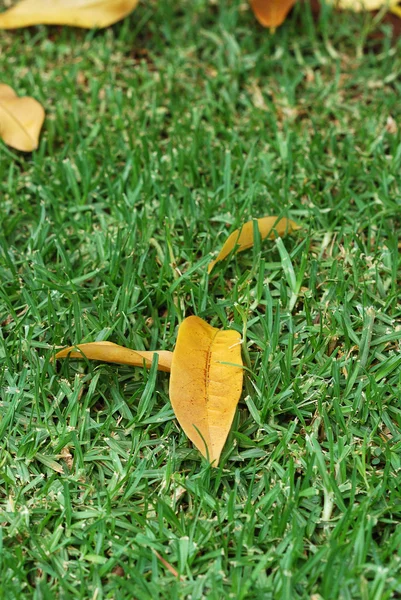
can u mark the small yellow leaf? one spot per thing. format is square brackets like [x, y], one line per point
[109, 352]
[76, 13]
[271, 13]
[204, 389]
[361, 5]
[243, 238]
[21, 120]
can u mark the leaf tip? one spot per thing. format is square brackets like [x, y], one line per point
[211, 266]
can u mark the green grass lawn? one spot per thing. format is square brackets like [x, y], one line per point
[163, 134]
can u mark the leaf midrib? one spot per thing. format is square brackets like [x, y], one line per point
[207, 380]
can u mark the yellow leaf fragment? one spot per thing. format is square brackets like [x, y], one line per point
[76, 13]
[204, 389]
[21, 120]
[361, 5]
[271, 13]
[109, 352]
[243, 238]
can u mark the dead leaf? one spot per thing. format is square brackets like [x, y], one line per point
[112, 353]
[206, 383]
[167, 565]
[361, 5]
[76, 13]
[242, 239]
[66, 455]
[271, 13]
[257, 97]
[391, 125]
[21, 120]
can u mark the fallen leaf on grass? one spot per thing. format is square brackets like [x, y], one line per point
[396, 10]
[113, 353]
[76, 13]
[271, 13]
[242, 239]
[206, 383]
[21, 120]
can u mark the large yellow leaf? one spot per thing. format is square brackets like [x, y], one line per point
[77, 13]
[204, 389]
[109, 352]
[271, 13]
[21, 120]
[242, 239]
[360, 5]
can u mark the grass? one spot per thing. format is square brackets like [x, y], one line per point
[163, 134]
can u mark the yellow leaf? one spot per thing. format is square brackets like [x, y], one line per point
[109, 352]
[21, 120]
[243, 238]
[271, 13]
[361, 5]
[204, 389]
[76, 13]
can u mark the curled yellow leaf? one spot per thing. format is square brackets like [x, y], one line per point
[76, 13]
[112, 353]
[206, 383]
[271, 13]
[242, 239]
[21, 120]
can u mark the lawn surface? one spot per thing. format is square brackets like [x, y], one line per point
[163, 134]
